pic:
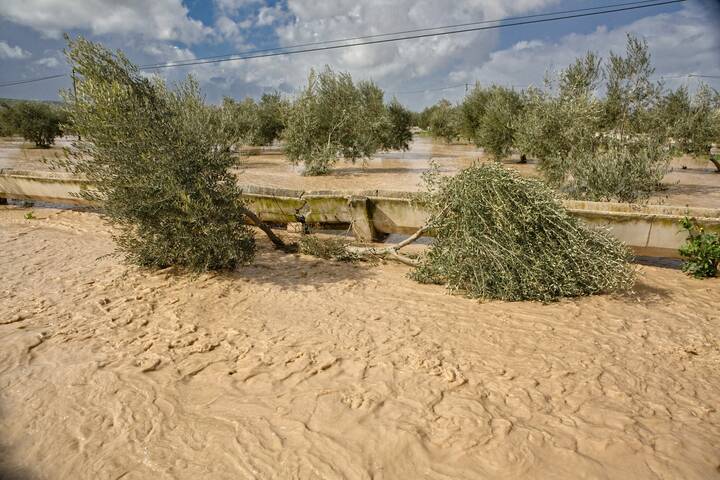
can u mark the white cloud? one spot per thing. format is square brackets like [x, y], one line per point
[156, 19]
[13, 53]
[270, 15]
[680, 43]
[233, 6]
[49, 62]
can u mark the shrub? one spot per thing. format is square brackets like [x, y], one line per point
[37, 122]
[701, 252]
[333, 119]
[327, 248]
[501, 236]
[159, 159]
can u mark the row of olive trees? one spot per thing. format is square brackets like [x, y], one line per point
[615, 147]
[36, 122]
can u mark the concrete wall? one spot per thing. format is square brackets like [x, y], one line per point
[649, 229]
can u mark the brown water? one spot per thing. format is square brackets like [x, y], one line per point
[698, 185]
[296, 367]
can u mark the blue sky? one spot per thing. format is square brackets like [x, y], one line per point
[684, 38]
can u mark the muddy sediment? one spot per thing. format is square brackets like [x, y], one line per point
[295, 367]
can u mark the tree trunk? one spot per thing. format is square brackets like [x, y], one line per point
[277, 241]
[716, 161]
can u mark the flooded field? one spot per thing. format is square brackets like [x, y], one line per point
[690, 182]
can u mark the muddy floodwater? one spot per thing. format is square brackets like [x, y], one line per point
[296, 367]
[690, 181]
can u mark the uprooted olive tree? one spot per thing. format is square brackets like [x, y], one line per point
[159, 160]
[499, 235]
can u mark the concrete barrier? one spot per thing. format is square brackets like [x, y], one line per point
[651, 230]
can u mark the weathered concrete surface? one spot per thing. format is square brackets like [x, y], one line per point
[42, 187]
[649, 229]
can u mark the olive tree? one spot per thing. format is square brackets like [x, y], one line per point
[397, 135]
[158, 159]
[334, 119]
[444, 121]
[594, 149]
[502, 236]
[271, 118]
[240, 119]
[693, 122]
[497, 123]
[37, 122]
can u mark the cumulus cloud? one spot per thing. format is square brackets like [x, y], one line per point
[685, 41]
[14, 53]
[48, 62]
[448, 60]
[681, 43]
[156, 19]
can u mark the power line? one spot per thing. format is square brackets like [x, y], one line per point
[633, 6]
[402, 32]
[414, 37]
[21, 82]
[690, 75]
[450, 87]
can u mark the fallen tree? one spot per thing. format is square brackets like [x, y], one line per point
[501, 236]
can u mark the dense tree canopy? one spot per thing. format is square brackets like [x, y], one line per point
[335, 119]
[159, 161]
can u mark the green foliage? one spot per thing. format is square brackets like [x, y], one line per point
[594, 149]
[631, 93]
[30, 215]
[501, 236]
[240, 119]
[397, 136]
[490, 118]
[258, 123]
[332, 119]
[328, 248]
[701, 251]
[272, 111]
[693, 122]
[159, 160]
[444, 121]
[619, 171]
[37, 122]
